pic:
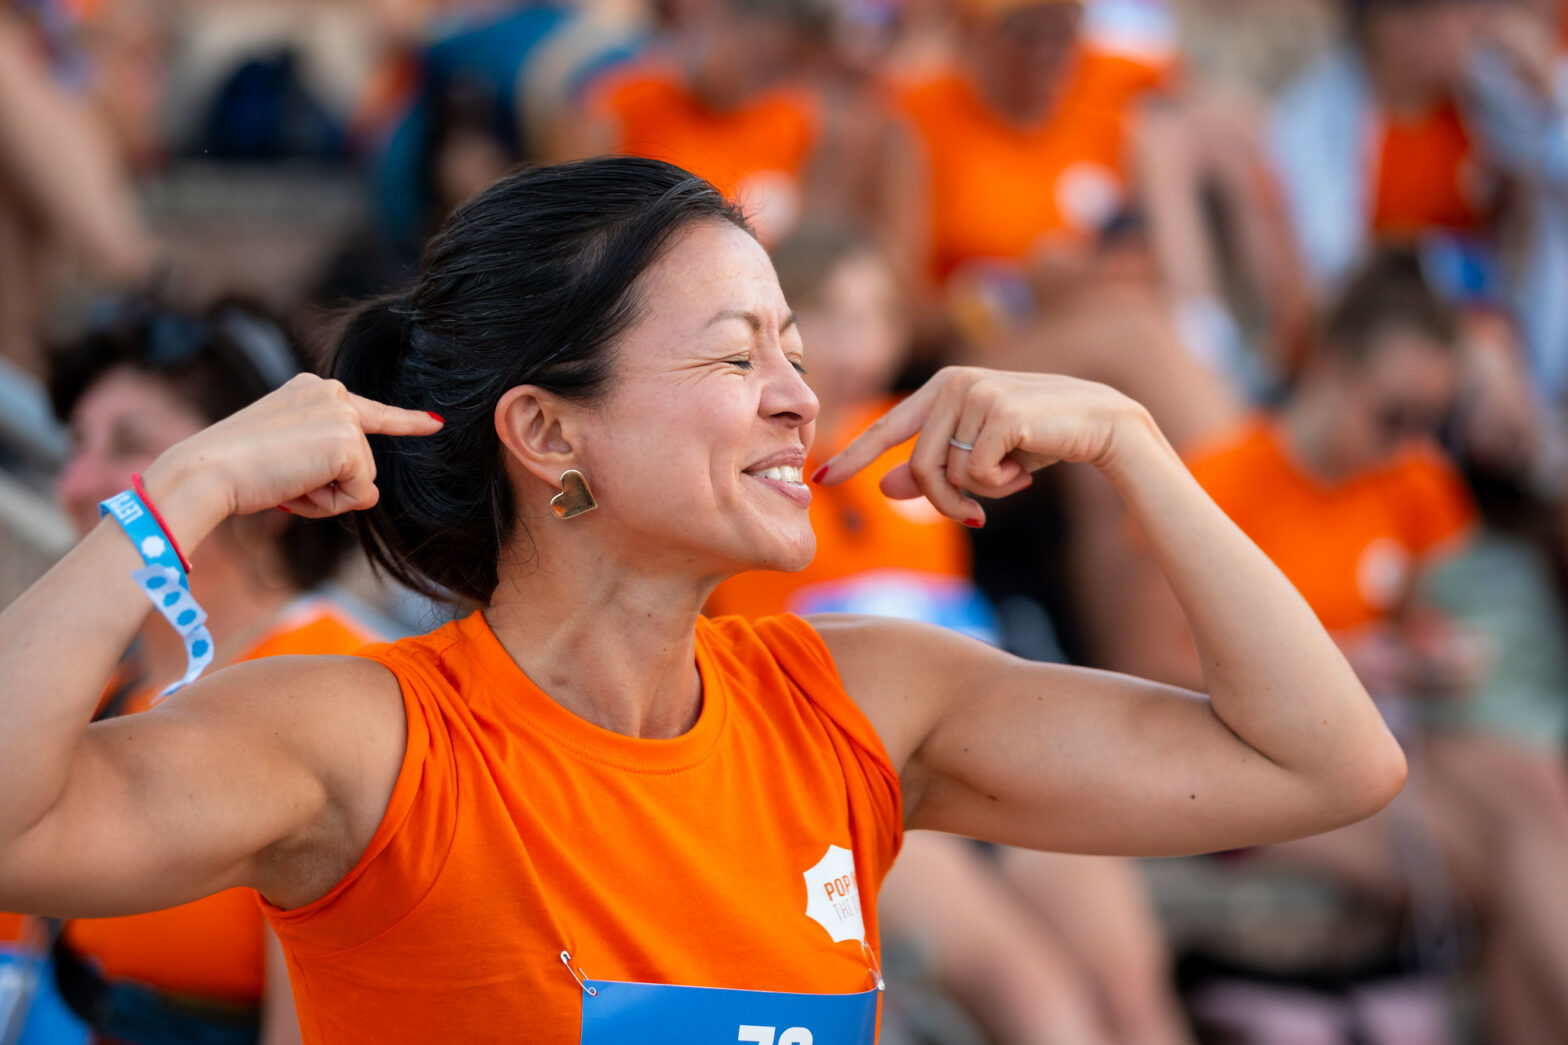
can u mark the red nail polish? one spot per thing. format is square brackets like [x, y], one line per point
[283, 509]
[973, 524]
[437, 416]
[816, 476]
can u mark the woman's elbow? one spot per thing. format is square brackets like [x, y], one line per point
[1377, 780]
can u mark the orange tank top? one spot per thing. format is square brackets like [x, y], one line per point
[755, 154]
[211, 948]
[1351, 548]
[999, 192]
[517, 830]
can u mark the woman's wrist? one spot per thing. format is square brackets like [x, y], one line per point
[191, 497]
[1135, 443]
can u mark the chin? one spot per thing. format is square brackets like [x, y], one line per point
[790, 557]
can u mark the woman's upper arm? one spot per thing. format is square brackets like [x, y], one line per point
[268, 774]
[1048, 756]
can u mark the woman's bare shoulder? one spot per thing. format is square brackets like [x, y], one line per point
[900, 672]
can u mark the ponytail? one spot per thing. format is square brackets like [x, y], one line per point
[435, 528]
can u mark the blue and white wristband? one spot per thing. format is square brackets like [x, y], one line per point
[164, 581]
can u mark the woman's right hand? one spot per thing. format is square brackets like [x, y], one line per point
[302, 447]
[148, 811]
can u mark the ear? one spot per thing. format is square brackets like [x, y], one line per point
[540, 431]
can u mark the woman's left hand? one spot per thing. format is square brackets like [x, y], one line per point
[1016, 424]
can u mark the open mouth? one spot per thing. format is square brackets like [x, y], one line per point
[787, 479]
[782, 473]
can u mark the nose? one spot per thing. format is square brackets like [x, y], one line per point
[83, 482]
[787, 397]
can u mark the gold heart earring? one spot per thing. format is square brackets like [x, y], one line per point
[575, 498]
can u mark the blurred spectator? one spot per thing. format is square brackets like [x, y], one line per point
[740, 92]
[140, 380]
[1021, 146]
[1346, 493]
[1439, 118]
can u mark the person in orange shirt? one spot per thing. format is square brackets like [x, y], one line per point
[1380, 142]
[721, 94]
[135, 384]
[585, 812]
[1345, 491]
[1023, 144]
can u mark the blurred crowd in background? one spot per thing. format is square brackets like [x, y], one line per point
[1325, 242]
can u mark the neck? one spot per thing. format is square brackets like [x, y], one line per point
[611, 643]
[1308, 422]
[1011, 107]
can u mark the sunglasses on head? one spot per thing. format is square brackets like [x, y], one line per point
[172, 339]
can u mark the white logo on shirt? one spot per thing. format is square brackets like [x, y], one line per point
[1383, 572]
[833, 896]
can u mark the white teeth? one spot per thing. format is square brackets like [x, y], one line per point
[784, 474]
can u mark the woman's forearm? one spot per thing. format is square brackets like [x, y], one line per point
[1274, 676]
[302, 445]
[60, 640]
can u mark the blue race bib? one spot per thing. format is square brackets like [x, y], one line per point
[652, 1014]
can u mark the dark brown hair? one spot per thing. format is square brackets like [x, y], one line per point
[1388, 293]
[532, 282]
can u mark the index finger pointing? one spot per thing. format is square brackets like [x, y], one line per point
[377, 418]
[898, 425]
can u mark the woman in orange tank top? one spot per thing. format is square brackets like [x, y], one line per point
[583, 813]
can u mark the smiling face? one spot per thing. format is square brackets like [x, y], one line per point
[695, 454]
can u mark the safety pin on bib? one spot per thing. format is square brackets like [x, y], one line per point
[876, 969]
[578, 975]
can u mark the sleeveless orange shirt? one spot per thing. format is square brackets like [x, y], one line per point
[211, 948]
[1350, 548]
[517, 830]
[999, 191]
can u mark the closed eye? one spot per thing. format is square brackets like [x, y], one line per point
[746, 364]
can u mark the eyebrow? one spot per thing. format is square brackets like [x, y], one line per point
[751, 319]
